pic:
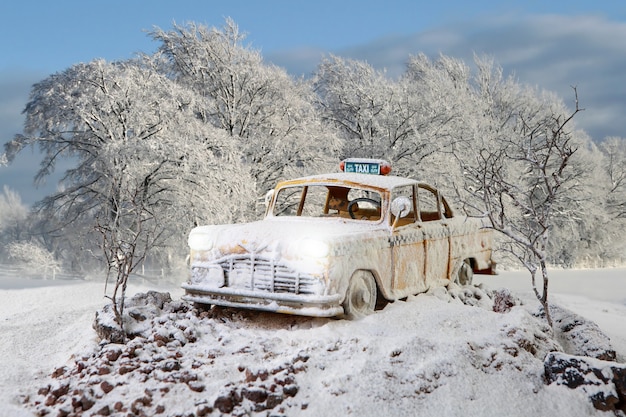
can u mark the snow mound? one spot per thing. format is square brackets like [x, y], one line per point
[456, 351]
[579, 336]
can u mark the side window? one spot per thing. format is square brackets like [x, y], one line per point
[429, 205]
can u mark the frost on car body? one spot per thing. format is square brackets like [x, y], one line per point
[331, 244]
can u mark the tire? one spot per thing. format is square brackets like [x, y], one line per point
[465, 275]
[361, 296]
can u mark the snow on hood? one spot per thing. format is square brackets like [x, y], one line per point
[273, 234]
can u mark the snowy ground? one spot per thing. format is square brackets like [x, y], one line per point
[596, 294]
[431, 354]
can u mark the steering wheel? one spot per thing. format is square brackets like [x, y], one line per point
[356, 200]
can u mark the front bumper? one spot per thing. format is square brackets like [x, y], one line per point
[300, 304]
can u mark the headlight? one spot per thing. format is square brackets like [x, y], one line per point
[199, 241]
[314, 248]
[212, 276]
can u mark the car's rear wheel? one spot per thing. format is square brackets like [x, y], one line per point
[465, 276]
[361, 296]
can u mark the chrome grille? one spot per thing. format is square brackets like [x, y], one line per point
[261, 273]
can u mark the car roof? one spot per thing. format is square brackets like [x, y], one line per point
[352, 179]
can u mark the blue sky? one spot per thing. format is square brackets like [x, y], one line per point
[50, 36]
[550, 44]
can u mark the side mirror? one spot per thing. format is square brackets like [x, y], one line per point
[401, 207]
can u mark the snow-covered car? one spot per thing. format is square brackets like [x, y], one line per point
[334, 244]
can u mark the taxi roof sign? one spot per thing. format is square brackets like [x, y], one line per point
[366, 166]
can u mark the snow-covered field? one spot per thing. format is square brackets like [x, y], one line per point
[431, 355]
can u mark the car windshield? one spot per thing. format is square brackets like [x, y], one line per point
[314, 200]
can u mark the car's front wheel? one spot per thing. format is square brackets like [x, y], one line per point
[361, 296]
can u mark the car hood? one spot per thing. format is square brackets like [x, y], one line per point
[276, 234]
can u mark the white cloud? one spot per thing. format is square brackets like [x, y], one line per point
[549, 51]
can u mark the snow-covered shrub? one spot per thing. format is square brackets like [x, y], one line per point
[34, 258]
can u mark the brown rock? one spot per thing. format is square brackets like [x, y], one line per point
[106, 387]
[290, 390]
[607, 378]
[254, 394]
[113, 354]
[195, 386]
[58, 372]
[104, 411]
[61, 390]
[204, 410]
[226, 403]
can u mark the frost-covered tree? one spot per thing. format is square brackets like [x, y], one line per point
[408, 121]
[13, 216]
[520, 172]
[268, 114]
[147, 168]
[579, 236]
[604, 239]
[444, 106]
[614, 149]
[357, 101]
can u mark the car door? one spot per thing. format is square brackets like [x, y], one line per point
[407, 248]
[436, 234]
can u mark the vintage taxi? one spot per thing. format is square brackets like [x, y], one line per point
[335, 244]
